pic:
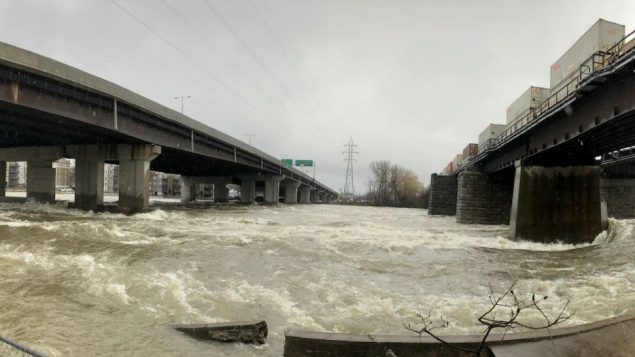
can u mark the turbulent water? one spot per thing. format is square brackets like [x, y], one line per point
[80, 284]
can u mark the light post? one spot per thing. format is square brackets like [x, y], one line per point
[182, 98]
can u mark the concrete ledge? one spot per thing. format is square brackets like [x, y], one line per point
[614, 337]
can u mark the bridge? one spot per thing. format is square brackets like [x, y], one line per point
[556, 173]
[49, 111]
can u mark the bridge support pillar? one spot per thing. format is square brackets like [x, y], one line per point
[89, 183]
[272, 189]
[304, 195]
[40, 181]
[134, 174]
[556, 204]
[443, 190]
[247, 188]
[188, 190]
[89, 175]
[315, 196]
[484, 198]
[291, 192]
[619, 195]
[3, 178]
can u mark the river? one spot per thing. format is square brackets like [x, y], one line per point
[76, 283]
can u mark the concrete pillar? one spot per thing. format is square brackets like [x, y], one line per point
[89, 175]
[40, 181]
[556, 204]
[443, 190]
[221, 191]
[272, 189]
[314, 196]
[188, 190]
[134, 175]
[304, 195]
[3, 178]
[89, 183]
[484, 198]
[247, 188]
[291, 192]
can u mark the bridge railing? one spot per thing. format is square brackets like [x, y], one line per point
[597, 62]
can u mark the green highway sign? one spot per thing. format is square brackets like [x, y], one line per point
[304, 163]
[287, 162]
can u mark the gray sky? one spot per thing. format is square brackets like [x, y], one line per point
[411, 81]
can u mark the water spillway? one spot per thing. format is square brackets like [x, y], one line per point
[77, 283]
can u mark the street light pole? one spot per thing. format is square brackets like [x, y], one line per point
[182, 98]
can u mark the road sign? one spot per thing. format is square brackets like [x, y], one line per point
[287, 162]
[304, 163]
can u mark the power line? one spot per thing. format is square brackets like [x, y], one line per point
[257, 59]
[227, 59]
[310, 83]
[201, 67]
[349, 183]
[292, 57]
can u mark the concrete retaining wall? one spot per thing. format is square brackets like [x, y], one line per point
[442, 199]
[610, 337]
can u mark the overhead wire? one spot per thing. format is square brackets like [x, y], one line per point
[255, 57]
[301, 68]
[287, 55]
[196, 63]
[226, 58]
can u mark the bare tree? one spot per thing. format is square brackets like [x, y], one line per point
[509, 305]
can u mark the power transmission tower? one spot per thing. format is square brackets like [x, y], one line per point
[349, 184]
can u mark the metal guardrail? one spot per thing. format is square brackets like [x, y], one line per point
[596, 63]
[11, 348]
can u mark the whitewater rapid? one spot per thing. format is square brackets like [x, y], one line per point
[77, 283]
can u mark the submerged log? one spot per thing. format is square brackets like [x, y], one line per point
[243, 331]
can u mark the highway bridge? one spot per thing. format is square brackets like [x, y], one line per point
[49, 110]
[556, 174]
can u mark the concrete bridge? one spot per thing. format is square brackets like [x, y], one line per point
[49, 111]
[554, 174]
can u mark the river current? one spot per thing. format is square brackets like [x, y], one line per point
[77, 283]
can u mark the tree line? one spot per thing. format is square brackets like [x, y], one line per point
[394, 185]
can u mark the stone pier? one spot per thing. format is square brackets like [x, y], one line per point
[484, 198]
[221, 191]
[619, 195]
[556, 204]
[443, 191]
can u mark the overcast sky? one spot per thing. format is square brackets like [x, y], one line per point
[411, 81]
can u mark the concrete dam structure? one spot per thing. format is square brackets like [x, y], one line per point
[49, 111]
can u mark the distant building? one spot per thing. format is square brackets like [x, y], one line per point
[16, 174]
[64, 173]
[111, 178]
[171, 185]
[156, 183]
